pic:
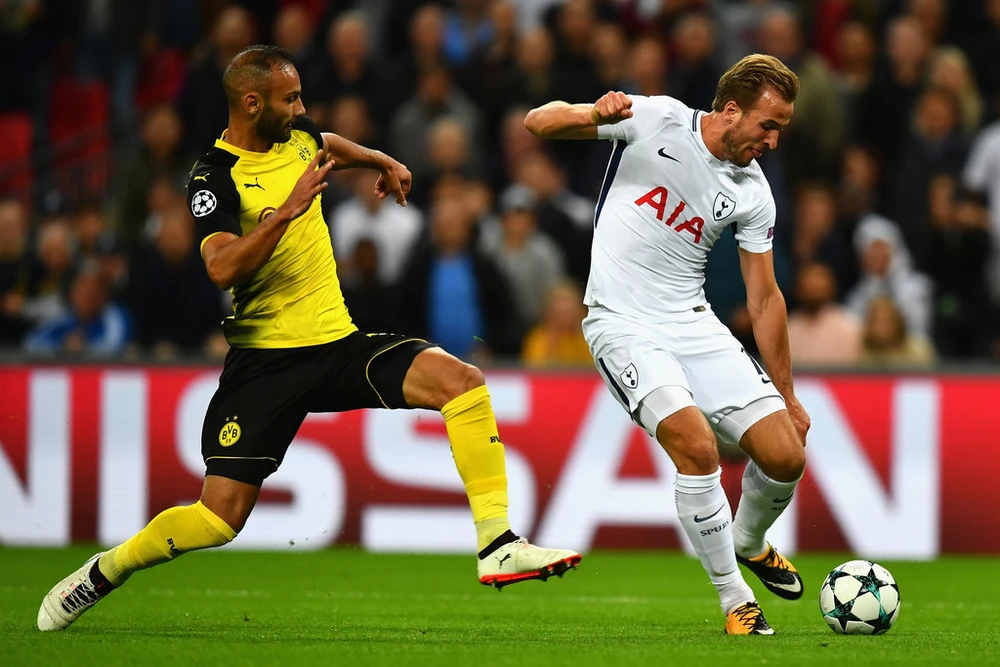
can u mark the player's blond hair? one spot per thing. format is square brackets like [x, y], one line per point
[747, 80]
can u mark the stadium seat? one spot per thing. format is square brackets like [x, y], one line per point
[160, 78]
[16, 130]
[79, 119]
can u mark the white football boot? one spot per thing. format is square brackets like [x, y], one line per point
[521, 561]
[67, 601]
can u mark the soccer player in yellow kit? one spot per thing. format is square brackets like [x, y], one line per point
[294, 349]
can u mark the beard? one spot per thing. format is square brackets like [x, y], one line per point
[272, 127]
[733, 146]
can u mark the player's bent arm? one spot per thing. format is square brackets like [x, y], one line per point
[769, 317]
[394, 178]
[561, 120]
[231, 259]
[347, 154]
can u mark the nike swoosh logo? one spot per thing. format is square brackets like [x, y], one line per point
[700, 519]
[781, 500]
[669, 157]
[794, 587]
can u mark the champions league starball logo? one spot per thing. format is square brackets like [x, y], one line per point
[203, 203]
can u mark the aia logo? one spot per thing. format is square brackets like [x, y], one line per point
[657, 199]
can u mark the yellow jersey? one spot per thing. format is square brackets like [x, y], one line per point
[294, 299]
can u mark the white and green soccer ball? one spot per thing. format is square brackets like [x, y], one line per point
[859, 598]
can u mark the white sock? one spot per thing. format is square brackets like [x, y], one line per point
[762, 502]
[704, 512]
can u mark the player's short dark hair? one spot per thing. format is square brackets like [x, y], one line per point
[747, 80]
[251, 70]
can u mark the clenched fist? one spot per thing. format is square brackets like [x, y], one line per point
[613, 107]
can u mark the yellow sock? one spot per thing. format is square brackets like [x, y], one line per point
[478, 452]
[171, 533]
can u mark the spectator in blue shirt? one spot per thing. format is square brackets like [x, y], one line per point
[91, 325]
[455, 296]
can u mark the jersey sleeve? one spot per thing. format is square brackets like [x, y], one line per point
[309, 126]
[756, 234]
[212, 197]
[648, 115]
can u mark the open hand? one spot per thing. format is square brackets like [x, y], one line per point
[311, 183]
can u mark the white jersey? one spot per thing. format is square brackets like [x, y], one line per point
[664, 203]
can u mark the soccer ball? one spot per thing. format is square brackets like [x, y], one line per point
[859, 598]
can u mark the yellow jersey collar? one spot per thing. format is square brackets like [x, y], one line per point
[241, 152]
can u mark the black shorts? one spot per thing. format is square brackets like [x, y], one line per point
[265, 394]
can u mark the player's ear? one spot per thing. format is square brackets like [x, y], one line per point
[732, 111]
[252, 103]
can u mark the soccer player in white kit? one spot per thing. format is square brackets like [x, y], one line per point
[677, 178]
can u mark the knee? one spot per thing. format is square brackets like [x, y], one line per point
[237, 519]
[700, 458]
[795, 463]
[459, 379]
[788, 463]
[468, 378]
[234, 513]
[694, 452]
[229, 500]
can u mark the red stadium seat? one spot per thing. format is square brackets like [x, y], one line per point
[160, 78]
[79, 118]
[16, 130]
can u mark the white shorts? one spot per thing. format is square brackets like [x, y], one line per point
[698, 354]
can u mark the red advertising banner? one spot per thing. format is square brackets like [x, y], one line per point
[899, 467]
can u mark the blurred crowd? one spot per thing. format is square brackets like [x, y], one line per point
[887, 183]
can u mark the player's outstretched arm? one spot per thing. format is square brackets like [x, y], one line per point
[560, 120]
[231, 259]
[394, 178]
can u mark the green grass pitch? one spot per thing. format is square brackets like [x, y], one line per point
[347, 607]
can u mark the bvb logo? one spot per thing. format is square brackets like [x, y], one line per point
[229, 434]
[304, 153]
